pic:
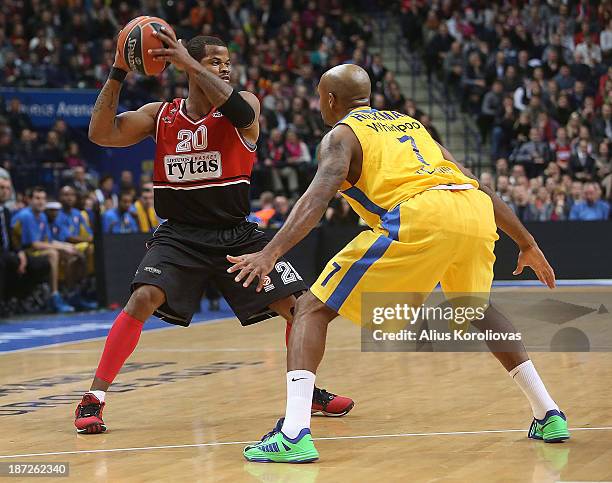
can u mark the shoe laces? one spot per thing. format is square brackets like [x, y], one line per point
[277, 428]
[322, 396]
[91, 408]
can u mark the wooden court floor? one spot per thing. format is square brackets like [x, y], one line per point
[192, 398]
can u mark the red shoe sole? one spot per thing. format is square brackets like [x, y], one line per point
[344, 412]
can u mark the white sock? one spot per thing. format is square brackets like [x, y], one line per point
[528, 379]
[99, 394]
[300, 385]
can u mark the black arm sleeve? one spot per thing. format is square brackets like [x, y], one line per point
[238, 111]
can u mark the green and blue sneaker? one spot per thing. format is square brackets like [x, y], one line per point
[551, 429]
[275, 447]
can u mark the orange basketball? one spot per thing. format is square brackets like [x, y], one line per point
[136, 39]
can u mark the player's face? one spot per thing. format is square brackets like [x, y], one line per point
[217, 61]
[39, 200]
[68, 197]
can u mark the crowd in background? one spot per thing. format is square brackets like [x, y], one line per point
[535, 77]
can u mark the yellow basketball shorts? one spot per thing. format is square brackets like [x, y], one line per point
[437, 236]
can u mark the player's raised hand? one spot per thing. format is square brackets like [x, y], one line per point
[251, 266]
[534, 258]
[175, 51]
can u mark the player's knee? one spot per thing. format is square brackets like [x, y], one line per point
[146, 298]
[312, 308]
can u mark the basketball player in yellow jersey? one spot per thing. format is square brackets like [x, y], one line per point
[431, 223]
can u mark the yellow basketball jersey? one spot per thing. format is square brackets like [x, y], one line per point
[400, 160]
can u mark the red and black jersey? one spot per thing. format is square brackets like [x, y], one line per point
[202, 168]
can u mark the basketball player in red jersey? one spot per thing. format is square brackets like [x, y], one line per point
[203, 160]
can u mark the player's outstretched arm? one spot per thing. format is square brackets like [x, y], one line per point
[106, 128]
[530, 254]
[337, 149]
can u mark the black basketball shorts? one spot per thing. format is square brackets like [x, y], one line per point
[182, 259]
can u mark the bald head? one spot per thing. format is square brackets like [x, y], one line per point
[341, 89]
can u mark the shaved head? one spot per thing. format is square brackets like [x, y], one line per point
[341, 89]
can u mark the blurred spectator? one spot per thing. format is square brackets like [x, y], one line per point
[120, 220]
[19, 272]
[80, 182]
[17, 119]
[71, 227]
[491, 108]
[105, 195]
[266, 210]
[126, 181]
[73, 156]
[32, 233]
[533, 154]
[541, 207]
[559, 206]
[144, 211]
[561, 150]
[582, 163]
[340, 212]
[281, 212]
[592, 208]
[504, 189]
[51, 154]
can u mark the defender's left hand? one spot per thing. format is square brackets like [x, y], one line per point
[252, 265]
[175, 51]
[533, 257]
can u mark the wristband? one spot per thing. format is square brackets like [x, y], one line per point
[117, 74]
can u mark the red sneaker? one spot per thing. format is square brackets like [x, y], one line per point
[88, 415]
[329, 404]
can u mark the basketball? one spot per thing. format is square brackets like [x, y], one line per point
[136, 39]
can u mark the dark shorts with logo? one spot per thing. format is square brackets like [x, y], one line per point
[183, 260]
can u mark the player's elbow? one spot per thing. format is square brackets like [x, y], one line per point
[96, 136]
